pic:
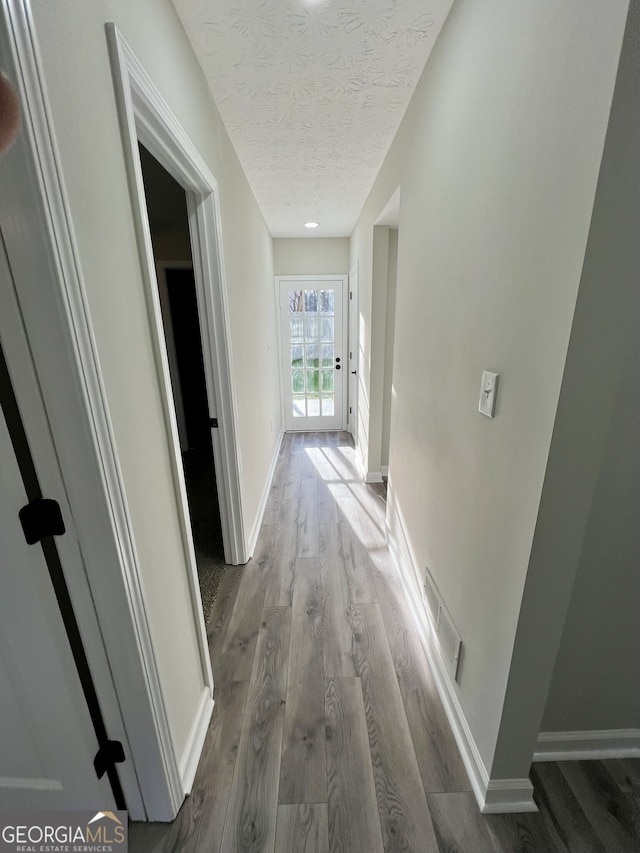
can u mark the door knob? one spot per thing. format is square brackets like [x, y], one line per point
[337, 367]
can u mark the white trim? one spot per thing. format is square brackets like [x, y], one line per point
[384, 470]
[352, 308]
[493, 796]
[58, 326]
[255, 531]
[344, 279]
[581, 746]
[195, 741]
[145, 117]
[505, 796]
[35, 420]
[373, 477]
[280, 344]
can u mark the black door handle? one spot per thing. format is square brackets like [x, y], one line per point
[353, 373]
[337, 367]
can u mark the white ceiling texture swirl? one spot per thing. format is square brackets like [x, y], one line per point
[312, 93]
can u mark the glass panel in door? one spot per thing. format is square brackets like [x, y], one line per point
[312, 326]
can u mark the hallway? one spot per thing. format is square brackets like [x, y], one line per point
[328, 732]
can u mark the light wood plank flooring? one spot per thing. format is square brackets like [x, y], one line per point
[328, 733]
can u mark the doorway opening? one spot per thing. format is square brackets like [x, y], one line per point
[384, 281]
[169, 228]
[390, 323]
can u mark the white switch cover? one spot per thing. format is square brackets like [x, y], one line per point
[488, 393]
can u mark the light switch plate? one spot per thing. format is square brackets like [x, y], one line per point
[488, 393]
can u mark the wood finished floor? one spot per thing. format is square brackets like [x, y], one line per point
[328, 733]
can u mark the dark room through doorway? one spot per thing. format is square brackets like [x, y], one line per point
[169, 226]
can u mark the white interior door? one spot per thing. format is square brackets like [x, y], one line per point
[314, 364]
[354, 353]
[47, 741]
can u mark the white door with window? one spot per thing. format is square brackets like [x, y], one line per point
[314, 365]
[354, 352]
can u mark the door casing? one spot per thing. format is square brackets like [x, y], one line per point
[354, 353]
[51, 354]
[283, 345]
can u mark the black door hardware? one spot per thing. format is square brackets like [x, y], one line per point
[39, 518]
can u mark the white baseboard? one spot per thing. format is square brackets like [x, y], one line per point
[495, 795]
[253, 538]
[195, 741]
[507, 796]
[384, 470]
[373, 477]
[580, 746]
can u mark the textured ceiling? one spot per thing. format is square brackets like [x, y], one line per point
[312, 93]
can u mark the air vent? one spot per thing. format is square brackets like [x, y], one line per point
[444, 631]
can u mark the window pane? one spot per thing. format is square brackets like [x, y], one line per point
[327, 380]
[327, 301]
[297, 381]
[311, 301]
[312, 355]
[327, 355]
[313, 406]
[298, 407]
[327, 406]
[313, 381]
[327, 328]
[311, 324]
[296, 355]
[295, 329]
[295, 301]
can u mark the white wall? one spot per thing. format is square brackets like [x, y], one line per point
[582, 512]
[78, 79]
[498, 158]
[595, 681]
[311, 256]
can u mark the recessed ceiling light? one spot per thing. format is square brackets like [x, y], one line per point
[312, 4]
[311, 224]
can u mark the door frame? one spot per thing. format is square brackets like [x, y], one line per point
[354, 351]
[146, 118]
[78, 463]
[52, 359]
[282, 345]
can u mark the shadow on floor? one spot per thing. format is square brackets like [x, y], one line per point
[202, 495]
